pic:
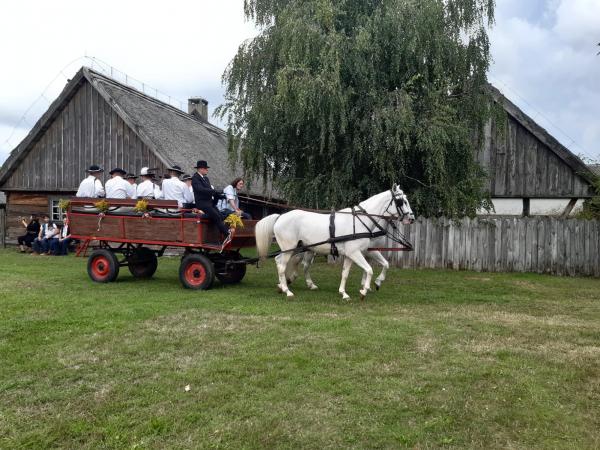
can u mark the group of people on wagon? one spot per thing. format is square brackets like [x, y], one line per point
[191, 192]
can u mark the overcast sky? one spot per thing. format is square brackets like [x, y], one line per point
[544, 56]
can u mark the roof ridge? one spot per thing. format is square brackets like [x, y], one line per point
[131, 89]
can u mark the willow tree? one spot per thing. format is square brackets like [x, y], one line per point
[335, 100]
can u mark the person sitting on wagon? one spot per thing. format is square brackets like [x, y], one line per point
[131, 177]
[32, 229]
[91, 186]
[231, 203]
[147, 188]
[189, 193]
[204, 194]
[117, 187]
[41, 244]
[173, 188]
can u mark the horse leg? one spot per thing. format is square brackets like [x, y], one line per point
[307, 261]
[282, 261]
[291, 272]
[361, 262]
[345, 272]
[377, 256]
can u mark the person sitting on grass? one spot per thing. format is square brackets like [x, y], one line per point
[41, 244]
[32, 229]
[60, 243]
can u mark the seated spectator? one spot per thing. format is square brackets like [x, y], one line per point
[59, 245]
[231, 204]
[41, 244]
[32, 229]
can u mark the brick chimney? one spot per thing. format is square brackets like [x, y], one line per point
[198, 107]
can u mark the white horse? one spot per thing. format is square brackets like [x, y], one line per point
[302, 228]
[307, 258]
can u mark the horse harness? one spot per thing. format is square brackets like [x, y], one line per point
[357, 212]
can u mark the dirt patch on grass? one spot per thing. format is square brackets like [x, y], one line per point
[478, 279]
[518, 319]
[553, 350]
[197, 322]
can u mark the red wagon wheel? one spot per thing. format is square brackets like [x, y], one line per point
[103, 266]
[196, 272]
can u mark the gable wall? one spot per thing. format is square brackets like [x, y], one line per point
[86, 131]
[520, 165]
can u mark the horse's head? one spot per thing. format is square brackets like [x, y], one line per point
[405, 213]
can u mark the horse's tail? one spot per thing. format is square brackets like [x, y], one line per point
[264, 234]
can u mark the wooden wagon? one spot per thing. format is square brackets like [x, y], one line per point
[122, 236]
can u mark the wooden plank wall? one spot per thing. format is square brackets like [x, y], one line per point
[542, 245]
[20, 204]
[86, 131]
[520, 165]
[2, 226]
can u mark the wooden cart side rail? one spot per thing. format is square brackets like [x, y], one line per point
[146, 242]
[152, 204]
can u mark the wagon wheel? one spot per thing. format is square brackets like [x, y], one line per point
[196, 272]
[142, 262]
[232, 274]
[103, 266]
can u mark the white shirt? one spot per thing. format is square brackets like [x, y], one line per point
[48, 230]
[90, 187]
[231, 194]
[189, 194]
[147, 189]
[65, 231]
[117, 187]
[133, 190]
[175, 189]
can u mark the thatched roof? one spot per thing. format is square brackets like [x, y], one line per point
[174, 135]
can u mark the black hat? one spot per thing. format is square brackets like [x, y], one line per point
[201, 165]
[131, 176]
[94, 168]
[117, 170]
[186, 177]
[175, 169]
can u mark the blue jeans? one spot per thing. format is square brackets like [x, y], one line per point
[60, 248]
[40, 245]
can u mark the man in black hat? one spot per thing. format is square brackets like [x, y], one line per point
[117, 187]
[205, 195]
[190, 203]
[91, 186]
[131, 177]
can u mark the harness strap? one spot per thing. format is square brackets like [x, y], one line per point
[334, 250]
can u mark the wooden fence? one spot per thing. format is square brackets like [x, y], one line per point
[543, 245]
[2, 226]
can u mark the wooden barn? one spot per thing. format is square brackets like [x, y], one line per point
[97, 120]
[530, 172]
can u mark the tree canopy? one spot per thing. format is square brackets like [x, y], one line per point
[335, 100]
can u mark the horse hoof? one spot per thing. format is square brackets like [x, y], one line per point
[314, 287]
[290, 294]
[279, 289]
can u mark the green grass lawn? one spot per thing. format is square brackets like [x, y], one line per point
[434, 359]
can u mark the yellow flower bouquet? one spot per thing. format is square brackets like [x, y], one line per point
[234, 221]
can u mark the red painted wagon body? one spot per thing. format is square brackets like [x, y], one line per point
[143, 237]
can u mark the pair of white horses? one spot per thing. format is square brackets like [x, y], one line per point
[303, 228]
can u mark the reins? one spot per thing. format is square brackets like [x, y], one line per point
[293, 207]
